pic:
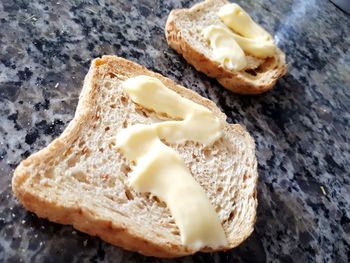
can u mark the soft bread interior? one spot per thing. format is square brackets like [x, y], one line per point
[82, 168]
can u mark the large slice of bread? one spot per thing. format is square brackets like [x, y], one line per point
[80, 178]
[183, 32]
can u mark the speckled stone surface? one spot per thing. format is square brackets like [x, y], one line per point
[301, 127]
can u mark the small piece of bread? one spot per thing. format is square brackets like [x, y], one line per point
[80, 179]
[183, 32]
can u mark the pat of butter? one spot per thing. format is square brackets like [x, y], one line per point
[198, 123]
[251, 37]
[160, 170]
[258, 48]
[245, 36]
[233, 16]
[225, 48]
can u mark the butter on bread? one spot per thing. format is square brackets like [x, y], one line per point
[183, 32]
[80, 178]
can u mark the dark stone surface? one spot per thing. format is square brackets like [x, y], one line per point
[301, 127]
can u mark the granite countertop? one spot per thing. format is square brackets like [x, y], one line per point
[301, 127]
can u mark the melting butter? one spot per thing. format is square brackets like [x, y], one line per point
[255, 47]
[238, 34]
[233, 16]
[160, 170]
[226, 50]
[251, 37]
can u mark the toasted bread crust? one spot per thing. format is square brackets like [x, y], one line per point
[237, 82]
[115, 231]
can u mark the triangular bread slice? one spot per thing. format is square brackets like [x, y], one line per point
[80, 178]
[183, 32]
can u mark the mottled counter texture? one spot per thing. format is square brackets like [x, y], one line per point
[301, 127]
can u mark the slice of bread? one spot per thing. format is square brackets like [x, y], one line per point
[80, 178]
[183, 32]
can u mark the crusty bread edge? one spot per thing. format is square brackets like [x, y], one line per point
[233, 81]
[86, 220]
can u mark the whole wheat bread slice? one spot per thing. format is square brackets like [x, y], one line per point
[183, 32]
[80, 178]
